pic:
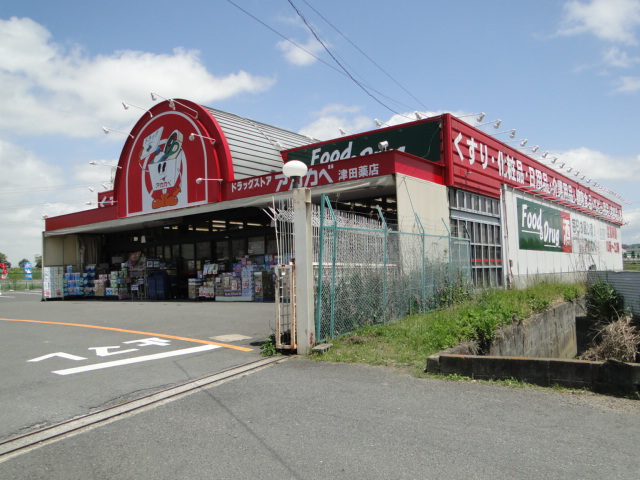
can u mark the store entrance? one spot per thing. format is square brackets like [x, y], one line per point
[226, 256]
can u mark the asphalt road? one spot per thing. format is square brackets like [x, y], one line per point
[301, 419]
[109, 352]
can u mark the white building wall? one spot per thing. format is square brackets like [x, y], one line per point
[61, 250]
[426, 199]
[593, 242]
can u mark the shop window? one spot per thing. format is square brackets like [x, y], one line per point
[272, 246]
[222, 250]
[203, 250]
[256, 246]
[238, 248]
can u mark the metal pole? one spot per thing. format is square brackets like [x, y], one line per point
[318, 305]
[305, 328]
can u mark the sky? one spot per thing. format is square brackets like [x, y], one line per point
[565, 74]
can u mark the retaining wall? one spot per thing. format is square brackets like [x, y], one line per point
[605, 377]
[541, 351]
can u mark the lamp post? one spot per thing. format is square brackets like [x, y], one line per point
[303, 257]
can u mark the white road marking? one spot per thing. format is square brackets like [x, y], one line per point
[127, 361]
[104, 351]
[68, 356]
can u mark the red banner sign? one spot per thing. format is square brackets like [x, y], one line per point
[481, 163]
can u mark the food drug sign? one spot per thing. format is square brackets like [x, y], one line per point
[543, 228]
[421, 139]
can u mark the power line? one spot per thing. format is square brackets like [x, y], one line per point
[367, 56]
[11, 207]
[311, 54]
[44, 189]
[317, 37]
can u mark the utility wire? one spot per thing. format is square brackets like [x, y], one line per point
[367, 56]
[313, 55]
[45, 189]
[69, 202]
[311, 29]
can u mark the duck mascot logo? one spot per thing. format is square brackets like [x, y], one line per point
[163, 162]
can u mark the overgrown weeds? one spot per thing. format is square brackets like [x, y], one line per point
[616, 337]
[618, 340]
[407, 343]
[604, 303]
[268, 346]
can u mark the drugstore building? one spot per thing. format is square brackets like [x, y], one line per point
[192, 185]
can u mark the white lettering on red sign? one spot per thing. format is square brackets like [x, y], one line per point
[513, 169]
[325, 175]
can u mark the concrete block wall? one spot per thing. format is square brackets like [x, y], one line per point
[540, 351]
[604, 377]
[549, 334]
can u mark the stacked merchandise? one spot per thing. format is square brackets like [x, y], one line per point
[100, 285]
[231, 284]
[219, 288]
[263, 288]
[119, 283]
[72, 284]
[208, 288]
[52, 282]
[88, 281]
[194, 287]
[246, 276]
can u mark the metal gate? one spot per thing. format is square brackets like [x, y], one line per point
[285, 308]
[365, 271]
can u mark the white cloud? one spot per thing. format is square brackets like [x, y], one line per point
[617, 58]
[628, 84]
[22, 169]
[610, 20]
[32, 188]
[332, 117]
[27, 183]
[600, 166]
[302, 55]
[48, 90]
[631, 231]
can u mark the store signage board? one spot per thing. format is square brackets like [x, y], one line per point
[421, 139]
[318, 175]
[106, 199]
[168, 152]
[482, 164]
[543, 228]
[161, 165]
[359, 168]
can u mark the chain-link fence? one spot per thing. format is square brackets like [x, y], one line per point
[16, 280]
[368, 273]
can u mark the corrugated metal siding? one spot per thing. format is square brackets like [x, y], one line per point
[625, 282]
[255, 147]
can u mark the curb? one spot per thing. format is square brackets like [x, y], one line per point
[610, 376]
[28, 442]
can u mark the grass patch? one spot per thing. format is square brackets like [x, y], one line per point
[407, 343]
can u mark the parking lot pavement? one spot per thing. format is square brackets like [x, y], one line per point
[301, 419]
[64, 359]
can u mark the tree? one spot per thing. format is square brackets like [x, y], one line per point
[22, 262]
[3, 259]
[38, 261]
